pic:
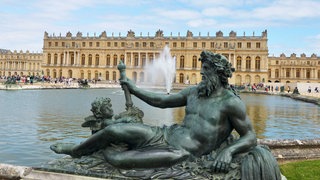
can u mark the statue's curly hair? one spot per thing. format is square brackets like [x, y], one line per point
[220, 63]
[98, 102]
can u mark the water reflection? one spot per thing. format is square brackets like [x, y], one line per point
[279, 117]
[32, 120]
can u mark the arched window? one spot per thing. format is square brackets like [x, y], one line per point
[49, 59]
[122, 57]
[136, 60]
[115, 60]
[194, 62]
[143, 61]
[114, 75]
[81, 74]
[298, 73]
[150, 58]
[89, 74]
[248, 62]
[258, 60]
[96, 75]
[83, 59]
[108, 60]
[308, 74]
[181, 78]
[239, 59]
[72, 59]
[70, 73]
[61, 58]
[181, 61]
[97, 60]
[90, 60]
[54, 73]
[55, 61]
[107, 76]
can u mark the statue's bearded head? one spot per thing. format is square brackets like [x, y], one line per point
[215, 72]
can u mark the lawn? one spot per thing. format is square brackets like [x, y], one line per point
[301, 170]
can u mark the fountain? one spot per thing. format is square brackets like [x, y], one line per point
[162, 69]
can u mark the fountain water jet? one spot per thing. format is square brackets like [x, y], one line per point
[162, 69]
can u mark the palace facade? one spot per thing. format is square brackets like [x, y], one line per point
[97, 57]
[294, 69]
[20, 63]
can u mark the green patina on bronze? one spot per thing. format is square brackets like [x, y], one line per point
[202, 145]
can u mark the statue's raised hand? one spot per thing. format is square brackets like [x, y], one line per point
[127, 82]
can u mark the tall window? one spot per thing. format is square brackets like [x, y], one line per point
[298, 73]
[225, 44]
[72, 59]
[194, 62]
[258, 63]
[182, 44]
[49, 59]
[212, 44]
[55, 61]
[239, 62]
[108, 60]
[257, 45]
[181, 78]
[239, 44]
[203, 44]
[248, 44]
[122, 57]
[308, 74]
[90, 60]
[97, 60]
[61, 58]
[248, 62]
[114, 75]
[107, 76]
[174, 44]
[83, 59]
[143, 61]
[288, 72]
[195, 44]
[136, 60]
[181, 61]
[115, 60]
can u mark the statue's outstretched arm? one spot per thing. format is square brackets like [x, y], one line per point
[157, 99]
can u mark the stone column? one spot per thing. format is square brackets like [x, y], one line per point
[67, 63]
[64, 57]
[139, 59]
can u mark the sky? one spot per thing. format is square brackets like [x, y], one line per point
[293, 26]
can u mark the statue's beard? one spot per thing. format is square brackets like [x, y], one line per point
[207, 86]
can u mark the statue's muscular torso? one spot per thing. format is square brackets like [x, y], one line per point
[206, 124]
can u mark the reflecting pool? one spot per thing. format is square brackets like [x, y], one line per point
[32, 120]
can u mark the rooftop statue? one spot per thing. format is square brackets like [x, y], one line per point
[212, 111]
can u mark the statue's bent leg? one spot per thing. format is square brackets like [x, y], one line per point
[146, 158]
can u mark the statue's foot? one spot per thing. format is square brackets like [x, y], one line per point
[63, 148]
